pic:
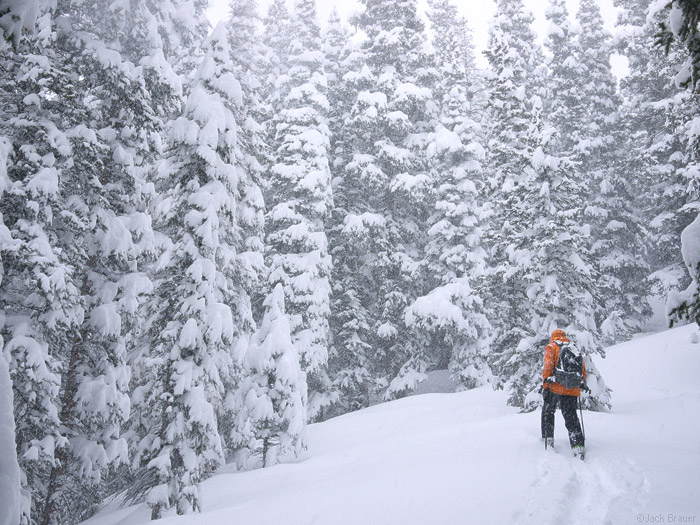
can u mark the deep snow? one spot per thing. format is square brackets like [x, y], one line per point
[467, 458]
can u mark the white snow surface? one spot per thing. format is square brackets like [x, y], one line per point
[463, 458]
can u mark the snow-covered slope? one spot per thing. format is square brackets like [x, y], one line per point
[466, 458]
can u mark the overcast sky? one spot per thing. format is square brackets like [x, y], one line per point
[477, 12]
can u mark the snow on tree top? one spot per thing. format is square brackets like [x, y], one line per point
[410, 183]
[445, 141]
[675, 19]
[363, 222]
[307, 57]
[409, 90]
[372, 98]
[443, 307]
[44, 182]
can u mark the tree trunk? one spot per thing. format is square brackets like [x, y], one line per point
[266, 448]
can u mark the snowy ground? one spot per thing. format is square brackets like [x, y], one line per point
[466, 458]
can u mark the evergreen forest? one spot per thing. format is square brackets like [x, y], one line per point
[212, 237]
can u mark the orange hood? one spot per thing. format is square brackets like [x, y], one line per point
[559, 335]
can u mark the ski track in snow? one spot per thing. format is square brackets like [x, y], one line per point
[601, 489]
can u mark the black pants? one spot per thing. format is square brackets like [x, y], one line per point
[568, 405]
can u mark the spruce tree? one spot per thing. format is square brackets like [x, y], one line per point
[653, 111]
[450, 320]
[338, 50]
[77, 213]
[300, 203]
[247, 56]
[564, 105]
[274, 389]
[617, 234]
[12, 499]
[454, 50]
[349, 323]
[37, 283]
[356, 235]
[685, 306]
[10, 483]
[682, 26]
[393, 120]
[199, 311]
[510, 148]
[277, 36]
[542, 276]
[178, 29]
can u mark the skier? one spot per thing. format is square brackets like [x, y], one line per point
[555, 393]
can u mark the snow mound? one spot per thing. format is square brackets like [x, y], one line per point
[467, 458]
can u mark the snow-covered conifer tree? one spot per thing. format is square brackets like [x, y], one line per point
[11, 500]
[512, 142]
[685, 306]
[199, 312]
[681, 40]
[617, 234]
[38, 298]
[276, 39]
[300, 202]
[681, 27]
[337, 50]
[454, 50]
[681, 23]
[542, 273]
[247, 55]
[656, 157]
[350, 362]
[36, 285]
[356, 236]
[76, 212]
[178, 28]
[563, 104]
[449, 320]
[28, 263]
[389, 210]
[274, 389]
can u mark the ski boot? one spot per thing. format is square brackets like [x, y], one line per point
[579, 451]
[548, 443]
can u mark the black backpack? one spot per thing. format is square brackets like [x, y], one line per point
[567, 371]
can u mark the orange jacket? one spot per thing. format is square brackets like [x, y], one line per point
[551, 357]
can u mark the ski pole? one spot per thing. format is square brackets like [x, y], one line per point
[544, 403]
[583, 430]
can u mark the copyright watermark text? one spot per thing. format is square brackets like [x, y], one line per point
[667, 518]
